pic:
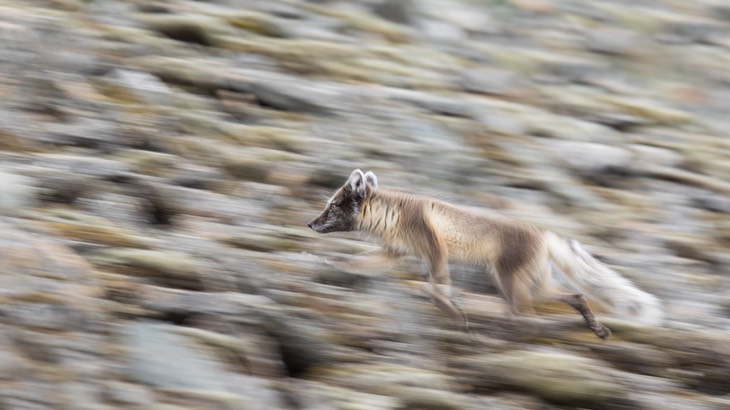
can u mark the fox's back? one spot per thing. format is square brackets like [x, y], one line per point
[475, 236]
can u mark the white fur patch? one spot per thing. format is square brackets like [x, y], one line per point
[357, 178]
[371, 179]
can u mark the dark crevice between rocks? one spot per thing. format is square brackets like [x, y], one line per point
[157, 207]
[617, 178]
[179, 318]
[187, 33]
[301, 347]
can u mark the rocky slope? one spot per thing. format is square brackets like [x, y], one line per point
[159, 161]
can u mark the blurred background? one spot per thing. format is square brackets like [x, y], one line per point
[159, 161]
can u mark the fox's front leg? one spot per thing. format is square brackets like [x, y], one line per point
[438, 270]
[440, 283]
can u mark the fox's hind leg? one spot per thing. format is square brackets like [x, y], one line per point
[516, 286]
[579, 303]
[550, 289]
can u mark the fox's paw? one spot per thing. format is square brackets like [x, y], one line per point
[602, 331]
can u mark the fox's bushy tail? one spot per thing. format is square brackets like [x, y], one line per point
[597, 281]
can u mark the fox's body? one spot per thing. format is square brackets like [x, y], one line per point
[522, 257]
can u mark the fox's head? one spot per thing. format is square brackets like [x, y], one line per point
[340, 213]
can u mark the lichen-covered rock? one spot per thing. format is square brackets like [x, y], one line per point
[556, 377]
[173, 269]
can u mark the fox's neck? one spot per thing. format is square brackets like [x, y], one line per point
[379, 214]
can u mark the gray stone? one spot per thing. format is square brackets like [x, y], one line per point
[656, 155]
[490, 81]
[128, 393]
[16, 192]
[90, 133]
[555, 377]
[397, 11]
[85, 165]
[440, 31]
[613, 41]
[143, 86]
[685, 28]
[160, 357]
[635, 358]
[81, 396]
[590, 158]
[171, 268]
[435, 103]
[565, 69]
[197, 29]
[290, 95]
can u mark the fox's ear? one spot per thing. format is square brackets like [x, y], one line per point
[371, 179]
[357, 182]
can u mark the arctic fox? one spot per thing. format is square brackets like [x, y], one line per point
[523, 258]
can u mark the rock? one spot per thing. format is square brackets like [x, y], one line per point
[187, 303]
[383, 378]
[434, 103]
[16, 192]
[618, 121]
[158, 204]
[197, 29]
[160, 356]
[468, 18]
[89, 229]
[140, 86]
[613, 41]
[701, 354]
[258, 23]
[635, 358]
[84, 165]
[303, 347]
[565, 69]
[589, 158]
[555, 377]
[208, 204]
[567, 128]
[678, 27]
[128, 394]
[656, 155]
[648, 109]
[12, 365]
[431, 399]
[490, 81]
[288, 93]
[712, 202]
[365, 22]
[252, 164]
[685, 177]
[63, 187]
[90, 133]
[397, 11]
[81, 396]
[197, 177]
[170, 268]
[441, 31]
[20, 132]
[40, 269]
[328, 397]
